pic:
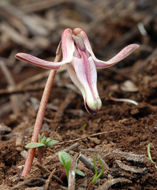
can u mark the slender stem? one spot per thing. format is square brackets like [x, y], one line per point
[39, 119]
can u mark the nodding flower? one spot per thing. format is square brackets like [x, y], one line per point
[81, 64]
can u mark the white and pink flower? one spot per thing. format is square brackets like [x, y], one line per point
[81, 64]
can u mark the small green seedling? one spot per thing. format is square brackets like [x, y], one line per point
[149, 155]
[66, 160]
[83, 127]
[96, 175]
[42, 142]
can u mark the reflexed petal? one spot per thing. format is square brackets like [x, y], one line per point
[104, 64]
[117, 58]
[87, 77]
[40, 62]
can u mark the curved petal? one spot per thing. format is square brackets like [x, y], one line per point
[86, 75]
[104, 64]
[40, 62]
[67, 51]
[75, 80]
[81, 33]
[91, 74]
[68, 47]
[117, 58]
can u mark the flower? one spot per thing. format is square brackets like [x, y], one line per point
[81, 63]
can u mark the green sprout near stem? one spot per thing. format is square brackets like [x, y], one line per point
[42, 142]
[66, 160]
[149, 155]
[83, 127]
[96, 175]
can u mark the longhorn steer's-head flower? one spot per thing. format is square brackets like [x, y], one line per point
[81, 64]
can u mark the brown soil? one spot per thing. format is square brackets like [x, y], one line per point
[117, 128]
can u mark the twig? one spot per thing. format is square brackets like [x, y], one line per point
[10, 80]
[31, 22]
[123, 100]
[5, 109]
[88, 136]
[63, 106]
[147, 61]
[21, 90]
[127, 155]
[49, 179]
[105, 164]
[42, 168]
[40, 117]
[40, 5]
[71, 181]
[130, 156]
[45, 170]
[30, 182]
[37, 78]
[111, 182]
[16, 36]
[33, 79]
[63, 187]
[130, 168]
[72, 147]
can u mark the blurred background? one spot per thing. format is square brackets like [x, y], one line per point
[35, 27]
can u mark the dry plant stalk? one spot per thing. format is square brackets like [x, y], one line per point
[39, 118]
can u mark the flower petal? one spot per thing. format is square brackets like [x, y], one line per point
[67, 51]
[75, 80]
[87, 77]
[104, 64]
[117, 58]
[67, 45]
[39, 62]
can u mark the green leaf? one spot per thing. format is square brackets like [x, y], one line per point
[34, 145]
[48, 140]
[95, 168]
[43, 140]
[96, 175]
[64, 157]
[66, 160]
[79, 172]
[102, 168]
[149, 155]
[39, 138]
[67, 168]
[51, 142]
[83, 127]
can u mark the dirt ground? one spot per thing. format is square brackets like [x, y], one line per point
[119, 133]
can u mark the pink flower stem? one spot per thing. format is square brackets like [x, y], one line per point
[39, 119]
